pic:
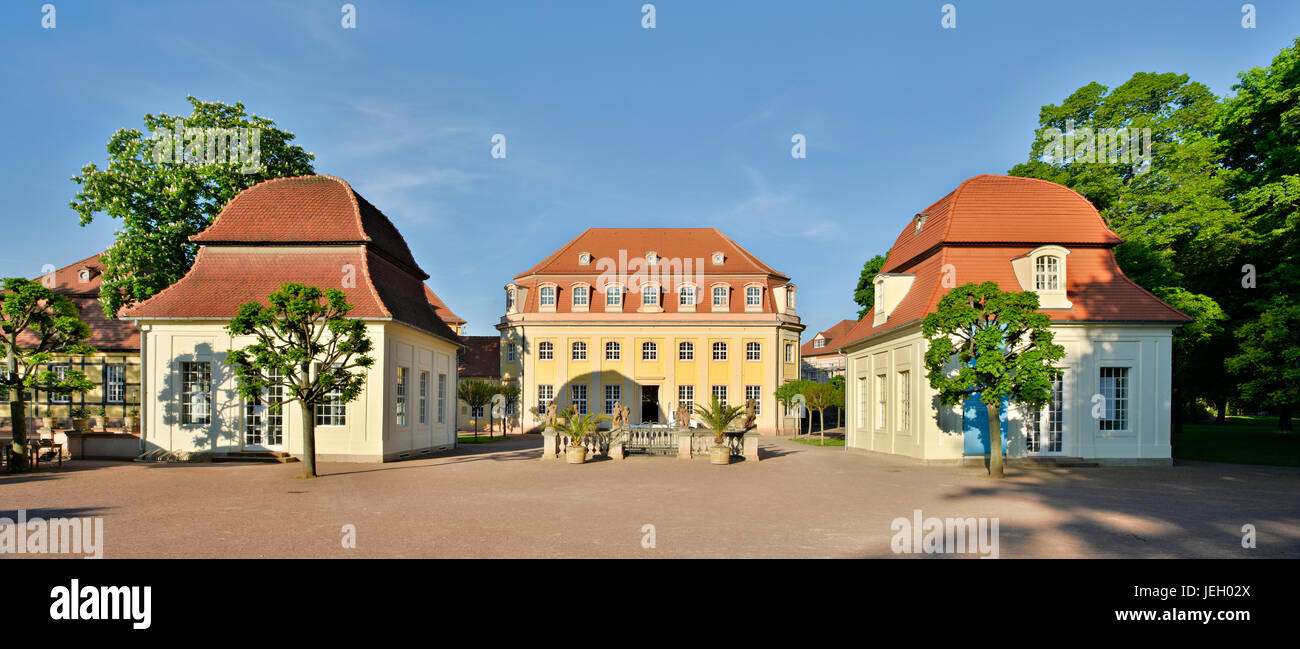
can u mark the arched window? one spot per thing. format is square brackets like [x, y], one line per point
[719, 296]
[649, 352]
[686, 352]
[546, 351]
[581, 297]
[650, 295]
[613, 295]
[1047, 273]
[613, 351]
[719, 351]
[579, 351]
[753, 296]
[686, 296]
[547, 296]
[753, 352]
[510, 299]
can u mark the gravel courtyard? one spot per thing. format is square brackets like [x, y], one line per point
[498, 500]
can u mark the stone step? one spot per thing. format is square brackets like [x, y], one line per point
[1055, 461]
[269, 457]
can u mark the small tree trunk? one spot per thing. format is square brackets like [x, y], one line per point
[308, 440]
[1284, 417]
[18, 420]
[1177, 415]
[821, 416]
[1221, 405]
[995, 442]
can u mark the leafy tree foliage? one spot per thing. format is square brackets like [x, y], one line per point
[865, 293]
[306, 345]
[162, 204]
[996, 344]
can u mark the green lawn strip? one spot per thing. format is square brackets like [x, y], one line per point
[481, 439]
[1239, 440]
[830, 441]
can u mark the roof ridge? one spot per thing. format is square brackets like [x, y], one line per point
[128, 310]
[556, 255]
[370, 283]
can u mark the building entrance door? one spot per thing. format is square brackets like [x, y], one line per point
[649, 404]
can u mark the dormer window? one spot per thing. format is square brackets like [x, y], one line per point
[919, 222]
[1047, 273]
[652, 257]
[584, 259]
[84, 275]
[819, 342]
[510, 299]
[718, 258]
[547, 296]
[580, 295]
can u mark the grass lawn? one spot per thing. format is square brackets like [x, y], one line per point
[481, 439]
[814, 441]
[1240, 440]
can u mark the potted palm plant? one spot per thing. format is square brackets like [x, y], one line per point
[717, 416]
[577, 427]
[48, 420]
[101, 418]
[128, 422]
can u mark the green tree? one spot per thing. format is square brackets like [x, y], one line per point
[35, 324]
[476, 394]
[786, 394]
[306, 345]
[865, 293]
[1268, 364]
[1002, 347]
[162, 204]
[510, 392]
[576, 426]
[819, 397]
[839, 382]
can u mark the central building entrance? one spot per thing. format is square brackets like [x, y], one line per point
[649, 404]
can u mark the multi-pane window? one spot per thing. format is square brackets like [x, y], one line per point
[864, 401]
[753, 352]
[424, 398]
[263, 422]
[686, 296]
[789, 299]
[789, 352]
[115, 383]
[578, 398]
[904, 401]
[719, 351]
[442, 398]
[613, 351]
[547, 296]
[61, 371]
[1043, 433]
[650, 295]
[881, 383]
[510, 352]
[579, 351]
[545, 395]
[510, 299]
[546, 351]
[1114, 389]
[613, 296]
[612, 395]
[1047, 273]
[719, 296]
[755, 392]
[580, 296]
[196, 393]
[819, 342]
[649, 351]
[403, 378]
[686, 397]
[753, 296]
[476, 412]
[333, 412]
[686, 351]
[720, 393]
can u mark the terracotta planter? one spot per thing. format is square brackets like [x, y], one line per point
[576, 454]
[128, 423]
[49, 422]
[81, 425]
[720, 454]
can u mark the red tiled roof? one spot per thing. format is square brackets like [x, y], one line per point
[1002, 209]
[983, 246]
[833, 337]
[668, 243]
[105, 334]
[306, 209]
[481, 358]
[440, 308]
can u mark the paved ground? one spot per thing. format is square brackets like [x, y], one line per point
[498, 500]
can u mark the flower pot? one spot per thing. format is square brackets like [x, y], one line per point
[720, 454]
[81, 425]
[49, 422]
[576, 454]
[128, 423]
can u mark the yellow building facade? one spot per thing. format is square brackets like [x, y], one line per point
[654, 319]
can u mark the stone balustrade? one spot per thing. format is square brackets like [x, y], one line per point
[690, 442]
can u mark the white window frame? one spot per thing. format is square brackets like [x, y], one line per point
[545, 351]
[719, 351]
[578, 351]
[613, 350]
[686, 351]
[753, 351]
[650, 351]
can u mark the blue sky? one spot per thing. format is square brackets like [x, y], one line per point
[607, 123]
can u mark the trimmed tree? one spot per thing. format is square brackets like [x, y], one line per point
[819, 397]
[510, 392]
[307, 346]
[476, 394]
[53, 326]
[1002, 347]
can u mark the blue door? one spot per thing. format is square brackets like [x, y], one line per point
[976, 425]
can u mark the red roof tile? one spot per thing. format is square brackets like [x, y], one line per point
[106, 334]
[990, 220]
[481, 358]
[669, 243]
[444, 313]
[306, 209]
[833, 337]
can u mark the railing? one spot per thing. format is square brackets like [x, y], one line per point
[652, 439]
[597, 443]
[649, 438]
[702, 442]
